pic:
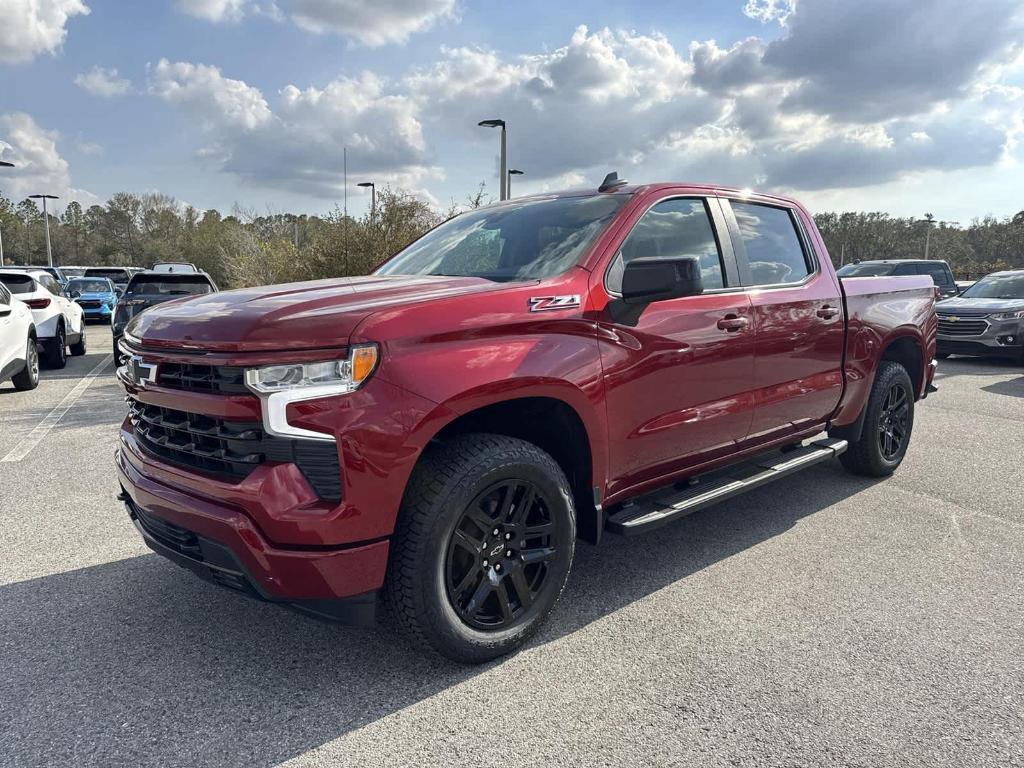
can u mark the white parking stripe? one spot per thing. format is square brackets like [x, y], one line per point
[33, 438]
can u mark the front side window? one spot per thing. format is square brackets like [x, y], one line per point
[527, 240]
[774, 252]
[671, 229]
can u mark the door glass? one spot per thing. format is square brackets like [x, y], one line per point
[774, 252]
[672, 228]
[938, 274]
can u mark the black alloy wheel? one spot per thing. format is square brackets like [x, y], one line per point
[892, 424]
[499, 555]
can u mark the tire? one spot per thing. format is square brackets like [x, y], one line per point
[55, 350]
[507, 583]
[78, 348]
[28, 378]
[888, 424]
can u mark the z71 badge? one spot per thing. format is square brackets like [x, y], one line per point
[544, 303]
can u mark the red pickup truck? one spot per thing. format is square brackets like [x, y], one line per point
[438, 434]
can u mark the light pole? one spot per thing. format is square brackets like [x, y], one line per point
[3, 164]
[508, 181]
[373, 198]
[46, 221]
[503, 154]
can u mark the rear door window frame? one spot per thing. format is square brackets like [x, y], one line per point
[811, 257]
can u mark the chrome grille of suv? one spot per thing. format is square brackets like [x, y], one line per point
[962, 326]
[231, 449]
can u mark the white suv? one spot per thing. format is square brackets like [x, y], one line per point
[57, 319]
[19, 357]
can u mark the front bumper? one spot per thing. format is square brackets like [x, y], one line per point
[222, 544]
[1002, 338]
[97, 313]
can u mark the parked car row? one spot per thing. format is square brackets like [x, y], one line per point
[58, 324]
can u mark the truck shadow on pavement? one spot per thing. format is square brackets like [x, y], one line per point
[136, 661]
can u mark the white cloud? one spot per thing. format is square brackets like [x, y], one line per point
[29, 28]
[103, 82]
[38, 165]
[769, 10]
[214, 10]
[372, 24]
[299, 145]
[216, 100]
[376, 23]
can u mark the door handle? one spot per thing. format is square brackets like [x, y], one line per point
[827, 312]
[733, 323]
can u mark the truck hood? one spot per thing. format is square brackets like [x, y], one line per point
[978, 307]
[292, 316]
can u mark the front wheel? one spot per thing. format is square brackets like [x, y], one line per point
[482, 548]
[888, 423]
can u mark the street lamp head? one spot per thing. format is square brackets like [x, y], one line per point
[5, 164]
[515, 172]
[492, 123]
[44, 197]
[365, 184]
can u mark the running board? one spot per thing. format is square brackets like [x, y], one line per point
[661, 507]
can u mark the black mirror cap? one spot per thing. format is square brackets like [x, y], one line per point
[653, 279]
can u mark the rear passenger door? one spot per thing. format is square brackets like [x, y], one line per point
[798, 319]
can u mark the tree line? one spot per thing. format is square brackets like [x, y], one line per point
[245, 248]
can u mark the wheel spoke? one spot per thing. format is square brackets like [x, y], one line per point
[503, 601]
[507, 500]
[471, 545]
[518, 579]
[522, 510]
[480, 594]
[541, 529]
[467, 580]
[539, 555]
[481, 520]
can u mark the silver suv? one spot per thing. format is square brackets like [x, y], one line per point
[986, 319]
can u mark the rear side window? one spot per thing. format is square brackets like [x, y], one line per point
[18, 284]
[5, 295]
[169, 285]
[775, 254]
[939, 273]
[672, 228]
[50, 284]
[902, 270]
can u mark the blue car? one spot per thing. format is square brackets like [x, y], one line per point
[96, 295]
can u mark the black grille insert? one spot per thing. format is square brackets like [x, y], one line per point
[962, 326]
[196, 377]
[231, 449]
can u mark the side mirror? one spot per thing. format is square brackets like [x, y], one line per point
[73, 294]
[657, 279]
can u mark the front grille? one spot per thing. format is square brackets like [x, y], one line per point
[231, 449]
[194, 377]
[962, 326]
[90, 303]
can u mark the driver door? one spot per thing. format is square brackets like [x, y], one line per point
[678, 373]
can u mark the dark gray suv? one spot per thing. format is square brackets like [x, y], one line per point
[986, 319]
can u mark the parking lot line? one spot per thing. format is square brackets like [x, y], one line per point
[33, 438]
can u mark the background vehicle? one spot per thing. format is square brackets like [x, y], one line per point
[119, 276]
[173, 266]
[148, 288]
[57, 273]
[58, 321]
[95, 295]
[939, 271]
[527, 372]
[19, 357]
[986, 319]
[963, 285]
[70, 272]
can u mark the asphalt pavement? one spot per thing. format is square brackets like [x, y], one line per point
[827, 620]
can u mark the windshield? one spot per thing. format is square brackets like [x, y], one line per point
[90, 286]
[529, 240]
[168, 285]
[997, 287]
[864, 270]
[18, 283]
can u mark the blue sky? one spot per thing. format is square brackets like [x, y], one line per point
[880, 104]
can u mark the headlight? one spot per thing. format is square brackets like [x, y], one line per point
[1016, 315]
[341, 376]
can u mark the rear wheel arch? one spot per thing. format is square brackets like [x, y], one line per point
[908, 351]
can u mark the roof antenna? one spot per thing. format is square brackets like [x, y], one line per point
[612, 181]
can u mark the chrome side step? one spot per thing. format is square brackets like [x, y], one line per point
[656, 509]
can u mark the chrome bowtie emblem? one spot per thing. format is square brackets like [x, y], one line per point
[953, 318]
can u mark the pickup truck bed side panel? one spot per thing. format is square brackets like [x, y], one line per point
[876, 317]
